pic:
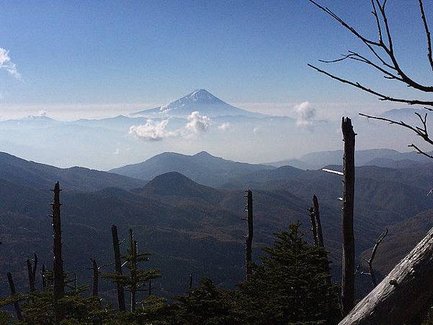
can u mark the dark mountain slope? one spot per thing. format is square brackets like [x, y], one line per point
[383, 196]
[191, 227]
[202, 168]
[174, 184]
[401, 239]
[40, 176]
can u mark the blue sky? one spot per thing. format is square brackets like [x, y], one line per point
[119, 55]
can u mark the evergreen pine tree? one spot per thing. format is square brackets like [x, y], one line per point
[206, 304]
[291, 286]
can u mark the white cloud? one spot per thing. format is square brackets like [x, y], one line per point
[151, 130]
[7, 64]
[157, 131]
[305, 114]
[197, 123]
[42, 113]
[224, 126]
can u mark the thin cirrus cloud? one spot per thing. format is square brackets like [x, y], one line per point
[305, 114]
[157, 131]
[7, 64]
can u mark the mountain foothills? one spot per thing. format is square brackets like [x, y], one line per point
[188, 212]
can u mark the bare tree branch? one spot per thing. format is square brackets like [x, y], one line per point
[373, 255]
[381, 96]
[421, 152]
[427, 33]
[381, 51]
[376, 17]
[422, 132]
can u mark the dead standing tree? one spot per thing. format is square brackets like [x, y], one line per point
[370, 261]
[58, 274]
[31, 270]
[381, 58]
[95, 278]
[118, 268]
[316, 225]
[13, 294]
[348, 263]
[249, 237]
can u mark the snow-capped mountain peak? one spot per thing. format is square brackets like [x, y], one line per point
[197, 97]
[199, 100]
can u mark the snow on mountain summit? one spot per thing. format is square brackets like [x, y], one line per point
[197, 97]
[203, 96]
[199, 100]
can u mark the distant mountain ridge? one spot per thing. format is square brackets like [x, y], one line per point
[202, 168]
[40, 176]
[199, 100]
[371, 157]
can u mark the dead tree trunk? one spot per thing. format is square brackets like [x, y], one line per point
[249, 238]
[316, 225]
[58, 274]
[133, 270]
[373, 255]
[118, 268]
[348, 262]
[95, 278]
[31, 270]
[190, 282]
[14, 292]
[44, 278]
[316, 211]
[404, 294]
[313, 225]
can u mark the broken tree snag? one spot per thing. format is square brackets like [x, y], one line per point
[318, 223]
[95, 277]
[313, 225]
[348, 262]
[373, 255]
[190, 282]
[13, 293]
[118, 268]
[31, 270]
[58, 274]
[249, 238]
[405, 293]
[43, 276]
